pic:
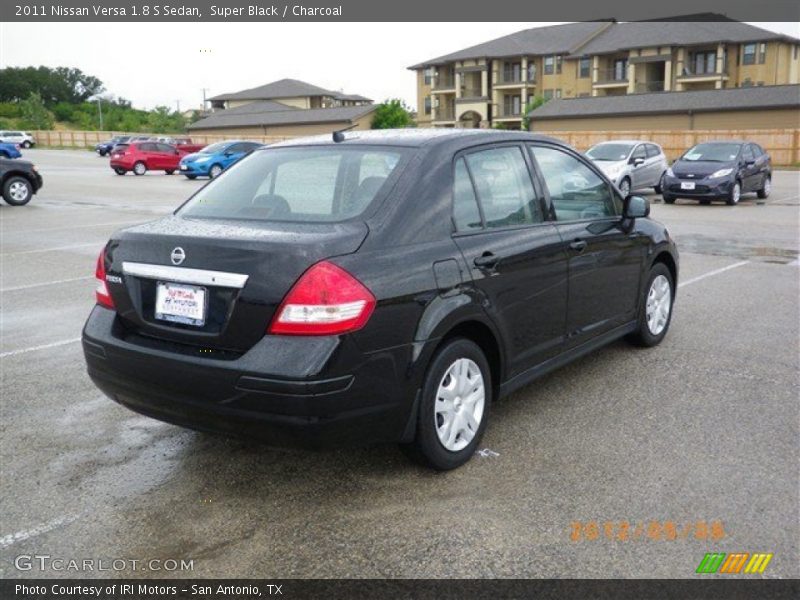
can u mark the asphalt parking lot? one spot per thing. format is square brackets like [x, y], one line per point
[628, 463]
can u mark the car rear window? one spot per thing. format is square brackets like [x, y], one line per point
[300, 184]
[120, 147]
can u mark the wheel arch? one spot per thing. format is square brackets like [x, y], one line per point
[665, 257]
[485, 338]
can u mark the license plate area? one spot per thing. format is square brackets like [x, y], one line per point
[687, 185]
[181, 303]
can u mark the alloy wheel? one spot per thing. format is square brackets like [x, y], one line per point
[459, 404]
[659, 304]
[625, 187]
[214, 171]
[736, 193]
[767, 186]
[18, 191]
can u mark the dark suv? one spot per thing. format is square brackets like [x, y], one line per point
[19, 181]
[374, 287]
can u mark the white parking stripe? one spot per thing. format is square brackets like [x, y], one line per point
[19, 536]
[42, 347]
[99, 246]
[714, 272]
[35, 285]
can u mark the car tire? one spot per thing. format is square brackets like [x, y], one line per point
[766, 187]
[169, 171]
[4, 154]
[655, 309]
[17, 191]
[458, 364]
[120, 171]
[669, 199]
[735, 194]
[625, 187]
[214, 171]
[26, 144]
[191, 177]
[705, 202]
[139, 168]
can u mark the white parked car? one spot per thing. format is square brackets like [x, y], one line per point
[20, 138]
[630, 164]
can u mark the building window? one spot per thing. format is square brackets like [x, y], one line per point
[427, 105]
[549, 65]
[512, 106]
[584, 67]
[621, 69]
[558, 93]
[428, 75]
[531, 71]
[512, 72]
[548, 95]
[749, 54]
[558, 64]
[704, 63]
[762, 53]
[796, 48]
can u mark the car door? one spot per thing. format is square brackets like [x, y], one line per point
[751, 170]
[514, 254]
[655, 165]
[168, 156]
[605, 259]
[638, 171]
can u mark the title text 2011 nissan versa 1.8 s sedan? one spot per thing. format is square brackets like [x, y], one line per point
[376, 287]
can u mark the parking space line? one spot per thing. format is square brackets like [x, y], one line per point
[99, 245]
[35, 285]
[714, 272]
[42, 347]
[26, 231]
[19, 536]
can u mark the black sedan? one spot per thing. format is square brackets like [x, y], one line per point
[719, 171]
[376, 287]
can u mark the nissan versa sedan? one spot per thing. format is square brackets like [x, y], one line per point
[719, 171]
[630, 164]
[376, 287]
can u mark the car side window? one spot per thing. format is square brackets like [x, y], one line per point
[747, 153]
[504, 187]
[756, 150]
[652, 150]
[466, 214]
[147, 147]
[639, 152]
[576, 191]
[166, 149]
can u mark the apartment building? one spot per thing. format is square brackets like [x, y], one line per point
[291, 92]
[489, 85]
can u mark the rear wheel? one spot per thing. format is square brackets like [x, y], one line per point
[26, 144]
[766, 187]
[139, 168]
[454, 404]
[214, 171]
[655, 310]
[17, 191]
[734, 194]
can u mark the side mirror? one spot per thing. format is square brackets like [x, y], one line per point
[749, 163]
[635, 207]
[637, 161]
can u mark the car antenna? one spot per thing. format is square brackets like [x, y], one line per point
[338, 136]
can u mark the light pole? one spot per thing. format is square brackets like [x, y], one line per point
[100, 110]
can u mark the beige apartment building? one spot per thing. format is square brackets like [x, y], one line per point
[489, 85]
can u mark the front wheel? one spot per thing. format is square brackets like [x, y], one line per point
[191, 177]
[669, 199]
[169, 171]
[625, 187]
[17, 191]
[214, 171]
[734, 194]
[766, 187]
[659, 187]
[454, 403]
[655, 310]
[120, 171]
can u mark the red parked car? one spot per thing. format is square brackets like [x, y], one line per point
[141, 157]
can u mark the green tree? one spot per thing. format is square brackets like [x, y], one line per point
[532, 104]
[392, 114]
[62, 84]
[34, 113]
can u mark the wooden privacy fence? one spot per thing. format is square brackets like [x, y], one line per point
[86, 139]
[782, 144]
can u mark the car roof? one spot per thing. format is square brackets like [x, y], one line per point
[417, 137]
[627, 142]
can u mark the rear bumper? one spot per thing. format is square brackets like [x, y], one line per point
[120, 164]
[310, 392]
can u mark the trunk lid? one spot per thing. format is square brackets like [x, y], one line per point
[270, 255]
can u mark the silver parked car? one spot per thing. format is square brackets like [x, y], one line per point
[20, 138]
[630, 164]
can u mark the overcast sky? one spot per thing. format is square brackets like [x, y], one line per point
[163, 63]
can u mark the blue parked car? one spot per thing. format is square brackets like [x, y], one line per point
[104, 148]
[9, 151]
[214, 159]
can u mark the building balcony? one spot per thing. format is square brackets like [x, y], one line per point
[689, 76]
[510, 80]
[611, 78]
[445, 114]
[444, 84]
[471, 95]
[648, 87]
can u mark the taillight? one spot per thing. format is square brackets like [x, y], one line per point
[101, 291]
[326, 300]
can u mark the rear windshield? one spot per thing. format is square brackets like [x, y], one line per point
[121, 146]
[301, 184]
[609, 151]
[722, 152]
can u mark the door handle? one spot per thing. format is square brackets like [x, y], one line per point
[578, 246]
[487, 259]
